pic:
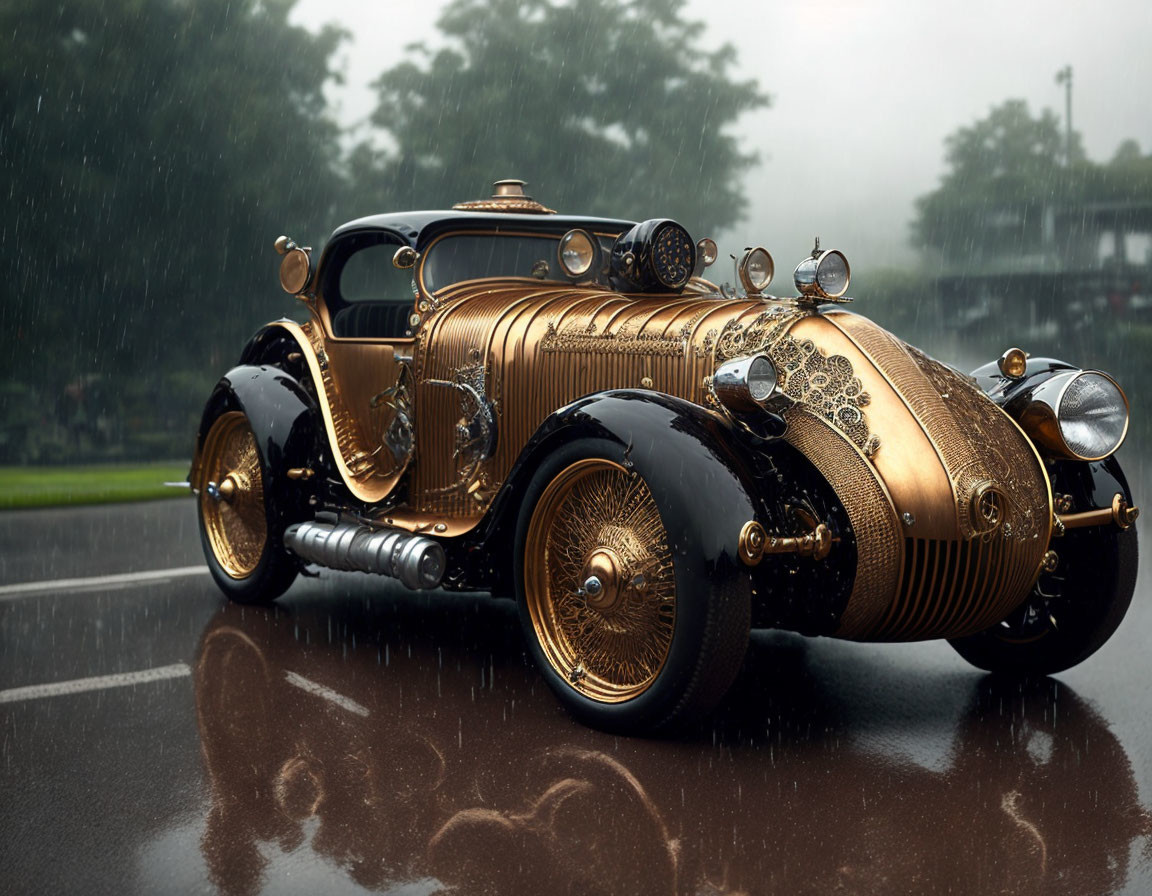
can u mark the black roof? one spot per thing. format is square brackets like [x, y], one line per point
[418, 227]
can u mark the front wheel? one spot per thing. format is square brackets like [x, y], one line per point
[630, 633]
[240, 543]
[1070, 613]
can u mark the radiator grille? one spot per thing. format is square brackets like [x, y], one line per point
[955, 588]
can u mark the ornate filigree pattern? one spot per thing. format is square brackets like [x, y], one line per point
[609, 650]
[825, 385]
[522, 205]
[759, 335]
[874, 522]
[475, 431]
[590, 342]
[996, 452]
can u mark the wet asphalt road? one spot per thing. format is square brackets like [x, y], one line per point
[155, 739]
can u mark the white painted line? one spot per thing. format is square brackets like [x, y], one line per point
[306, 684]
[124, 578]
[100, 683]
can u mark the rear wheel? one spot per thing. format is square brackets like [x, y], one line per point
[629, 636]
[1071, 611]
[240, 543]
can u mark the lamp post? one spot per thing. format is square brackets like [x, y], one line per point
[1064, 76]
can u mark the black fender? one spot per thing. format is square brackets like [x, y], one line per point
[1091, 484]
[1003, 390]
[283, 418]
[272, 344]
[710, 478]
[685, 453]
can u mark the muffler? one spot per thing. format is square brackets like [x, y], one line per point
[416, 561]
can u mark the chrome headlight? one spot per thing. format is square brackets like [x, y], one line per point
[745, 384]
[825, 274]
[1081, 415]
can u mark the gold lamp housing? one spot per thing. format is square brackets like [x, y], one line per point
[756, 270]
[824, 275]
[579, 254]
[1013, 363]
[295, 265]
[1077, 414]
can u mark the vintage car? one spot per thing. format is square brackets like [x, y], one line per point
[497, 397]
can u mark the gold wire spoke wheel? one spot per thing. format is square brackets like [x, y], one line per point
[599, 583]
[234, 520]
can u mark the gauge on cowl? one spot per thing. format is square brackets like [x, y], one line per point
[655, 255]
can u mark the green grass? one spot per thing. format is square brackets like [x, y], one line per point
[22, 487]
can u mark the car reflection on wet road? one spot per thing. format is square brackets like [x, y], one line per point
[155, 739]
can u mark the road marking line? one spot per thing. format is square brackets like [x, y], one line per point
[312, 687]
[124, 578]
[80, 685]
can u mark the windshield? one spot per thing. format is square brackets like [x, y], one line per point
[471, 256]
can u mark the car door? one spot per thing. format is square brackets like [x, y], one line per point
[368, 343]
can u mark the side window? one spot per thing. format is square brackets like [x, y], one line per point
[369, 276]
[367, 296]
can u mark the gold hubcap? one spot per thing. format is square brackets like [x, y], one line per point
[599, 582]
[232, 495]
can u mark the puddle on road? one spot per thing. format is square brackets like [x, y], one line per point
[406, 745]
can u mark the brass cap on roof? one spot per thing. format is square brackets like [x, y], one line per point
[507, 196]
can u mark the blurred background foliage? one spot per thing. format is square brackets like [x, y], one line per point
[151, 150]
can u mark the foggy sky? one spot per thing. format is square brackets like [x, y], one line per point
[863, 96]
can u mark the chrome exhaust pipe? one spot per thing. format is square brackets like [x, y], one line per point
[416, 561]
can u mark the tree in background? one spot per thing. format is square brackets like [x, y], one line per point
[605, 107]
[1008, 196]
[150, 152]
[1051, 255]
[1002, 170]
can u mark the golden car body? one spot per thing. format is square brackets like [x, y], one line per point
[496, 396]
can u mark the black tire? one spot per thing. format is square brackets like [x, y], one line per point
[1087, 595]
[587, 510]
[239, 530]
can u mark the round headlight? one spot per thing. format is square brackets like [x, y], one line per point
[1013, 363]
[578, 251]
[295, 270]
[756, 270]
[1093, 416]
[706, 252]
[761, 378]
[1078, 414]
[823, 275]
[744, 384]
[832, 274]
